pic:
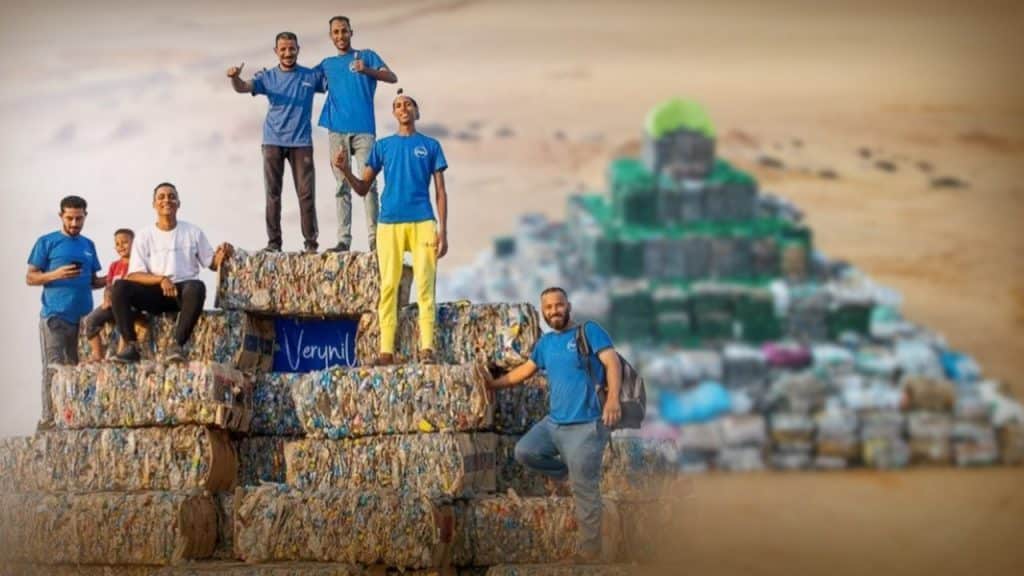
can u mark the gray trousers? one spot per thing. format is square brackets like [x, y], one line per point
[575, 451]
[358, 147]
[58, 342]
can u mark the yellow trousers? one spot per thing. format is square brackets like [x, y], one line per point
[393, 240]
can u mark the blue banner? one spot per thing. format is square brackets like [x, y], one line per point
[308, 345]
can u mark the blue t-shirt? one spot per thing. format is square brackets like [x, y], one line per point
[573, 393]
[71, 298]
[291, 103]
[349, 105]
[408, 162]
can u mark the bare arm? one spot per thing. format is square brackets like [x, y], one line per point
[145, 278]
[613, 375]
[361, 187]
[442, 214]
[225, 250]
[98, 282]
[517, 376]
[36, 277]
[240, 86]
[381, 75]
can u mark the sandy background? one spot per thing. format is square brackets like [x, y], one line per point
[107, 99]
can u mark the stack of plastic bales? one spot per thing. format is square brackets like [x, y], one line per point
[125, 480]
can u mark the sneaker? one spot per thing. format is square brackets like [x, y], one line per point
[339, 247]
[385, 360]
[309, 250]
[271, 248]
[129, 355]
[427, 356]
[44, 424]
[175, 353]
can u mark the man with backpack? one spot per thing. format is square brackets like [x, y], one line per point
[568, 444]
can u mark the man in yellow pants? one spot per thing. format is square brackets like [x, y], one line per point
[406, 222]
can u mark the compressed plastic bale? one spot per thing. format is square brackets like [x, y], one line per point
[931, 394]
[511, 475]
[1011, 444]
[836, 436]
[877, 361]
[822, 462]
[930, 451]
[500, 529]
[743, 366]
[829, 358]
[887, 424]
[518, 408]
[930, 425]
[261, 459]
[225, 547]
[969, 406]
[741, 459]
[110, 395]
[500, 335]
[792, 460]
[636, 467]
[789, 427]
[705, 437]
[787, 355]
[274, 569]
[744, 430]
[351, 402]
[118, 459]
[276, 523]
[75, 570]
[273, 407]
[142, 528]
[565, 570]
[801, 392]
[885, 452]
[221, 336]
[974, 444]
[293, 284]
[438, 465]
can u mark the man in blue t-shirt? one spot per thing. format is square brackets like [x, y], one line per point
[352, 78]
[287, 134]
[568, 444]
[410, 161]
[64, 263]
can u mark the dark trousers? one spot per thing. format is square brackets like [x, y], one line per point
[304, 176]
[128, 296]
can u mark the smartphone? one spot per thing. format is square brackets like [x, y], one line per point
[76, 264]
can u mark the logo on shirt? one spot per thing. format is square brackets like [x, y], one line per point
[571, 345]
[420, 151]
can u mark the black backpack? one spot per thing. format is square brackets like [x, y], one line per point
[632, 392]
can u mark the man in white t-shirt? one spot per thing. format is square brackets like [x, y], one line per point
[163, 275]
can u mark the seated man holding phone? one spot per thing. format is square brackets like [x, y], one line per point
[64, 263]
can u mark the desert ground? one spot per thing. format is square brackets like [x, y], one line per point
[531, 100]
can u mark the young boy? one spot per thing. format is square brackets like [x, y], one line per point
[96, 319]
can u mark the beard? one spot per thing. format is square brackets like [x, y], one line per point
[558, 322]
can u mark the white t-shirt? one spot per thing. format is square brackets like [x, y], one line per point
[179, 254]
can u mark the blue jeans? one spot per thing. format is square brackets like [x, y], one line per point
[574, 451]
